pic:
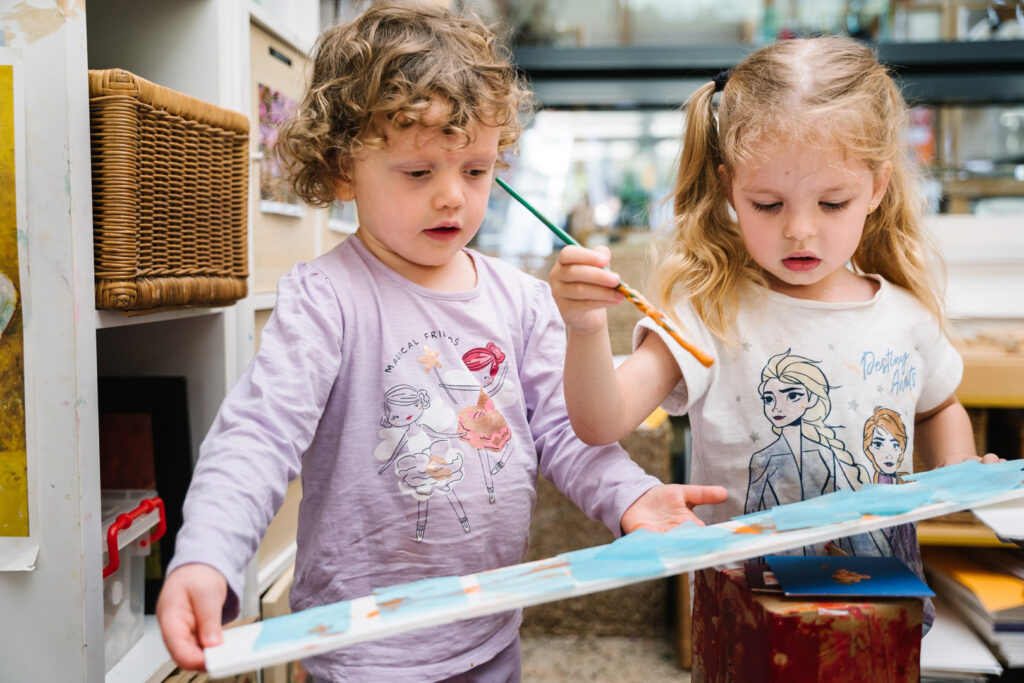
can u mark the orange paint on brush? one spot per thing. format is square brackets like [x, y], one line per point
[638, 300]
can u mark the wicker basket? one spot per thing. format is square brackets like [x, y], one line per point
[170, 180]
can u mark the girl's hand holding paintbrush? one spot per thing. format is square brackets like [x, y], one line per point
[583, 288]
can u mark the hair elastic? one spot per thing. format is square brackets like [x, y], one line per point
[721, 78]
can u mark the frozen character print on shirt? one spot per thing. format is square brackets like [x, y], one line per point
[807, 459]
[426, 459]
[885, 444]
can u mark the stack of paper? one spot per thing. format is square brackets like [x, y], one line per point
[953, 652]
[988, 597]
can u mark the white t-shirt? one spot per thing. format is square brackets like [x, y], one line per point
[847, 370]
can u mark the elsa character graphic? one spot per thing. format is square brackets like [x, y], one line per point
[432, 471]
[807, 459]
[885, 443]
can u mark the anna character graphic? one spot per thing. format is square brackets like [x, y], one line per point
[885, 443]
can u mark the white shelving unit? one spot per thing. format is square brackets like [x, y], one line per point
[52, 629]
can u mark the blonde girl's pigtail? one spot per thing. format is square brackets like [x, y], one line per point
[696, 175]
[702, 259]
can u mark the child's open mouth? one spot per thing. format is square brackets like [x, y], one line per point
[801, 262]
[442, 233]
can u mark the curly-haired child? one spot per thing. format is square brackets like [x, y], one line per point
[416, 460]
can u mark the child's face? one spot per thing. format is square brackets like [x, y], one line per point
[422, 198]
[801, 213]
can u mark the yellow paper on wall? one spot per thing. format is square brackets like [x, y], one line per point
[13, 455]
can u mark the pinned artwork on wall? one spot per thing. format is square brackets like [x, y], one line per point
[640, 556]
[276, 196]
[16, 551]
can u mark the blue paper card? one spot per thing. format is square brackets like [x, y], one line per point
[846, 576]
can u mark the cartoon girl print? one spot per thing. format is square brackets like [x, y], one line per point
[807, 456]
[483, 427]
[885, 443]
[806, 453]
[434, 470]
[404, 405]
[423, 458]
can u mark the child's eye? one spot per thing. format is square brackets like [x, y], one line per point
[476, 172]
[767, 207]
[417, 174]
[835, 206]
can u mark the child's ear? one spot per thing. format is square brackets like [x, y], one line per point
[881, 183]
[344, 189]
[723, 175]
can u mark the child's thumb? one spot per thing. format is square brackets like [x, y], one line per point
[208, 622]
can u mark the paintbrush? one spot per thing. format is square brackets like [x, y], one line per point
[635, 297]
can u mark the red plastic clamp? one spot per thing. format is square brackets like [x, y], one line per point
[124, 521]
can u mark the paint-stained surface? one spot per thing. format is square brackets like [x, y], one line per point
[23, 23]
[743, 636]
[13, 482]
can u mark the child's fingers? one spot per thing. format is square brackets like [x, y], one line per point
[580, 292]
[576, 255]
[178, 627]
[704, 495]
[991, 458]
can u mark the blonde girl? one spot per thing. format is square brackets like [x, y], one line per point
[797, 225]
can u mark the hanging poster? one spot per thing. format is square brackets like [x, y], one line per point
[18, 548]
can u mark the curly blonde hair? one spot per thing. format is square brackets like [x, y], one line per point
[388, 67]
[824, 93]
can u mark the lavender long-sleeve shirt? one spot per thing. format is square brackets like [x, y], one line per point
[418, 421]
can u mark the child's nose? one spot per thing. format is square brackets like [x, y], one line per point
[800, 226]
[449, 194]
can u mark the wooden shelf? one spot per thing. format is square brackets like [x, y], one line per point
[944, 533]
[993, 378]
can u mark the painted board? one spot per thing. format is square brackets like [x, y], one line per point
[639, 556]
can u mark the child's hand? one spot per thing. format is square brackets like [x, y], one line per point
[189, 612]
[669, 505]
[583, 289]
[986, 459]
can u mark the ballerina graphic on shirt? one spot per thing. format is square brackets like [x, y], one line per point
[426, 459]
[434, 470]
[482, 426]
[807, 459]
